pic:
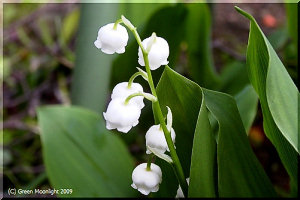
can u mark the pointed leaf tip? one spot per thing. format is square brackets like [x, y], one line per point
[244, 13]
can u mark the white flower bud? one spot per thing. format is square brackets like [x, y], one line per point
[179, 191]
[155, 139]
[122, 116]
[121, 90]
[146, 181]
[158, 53]
[112, 40]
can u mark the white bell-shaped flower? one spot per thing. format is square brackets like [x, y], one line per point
[121, 90]
[155, 139]
[179, 191]
[112, 40]
[146, 181]
[122, 116]
[158, 54]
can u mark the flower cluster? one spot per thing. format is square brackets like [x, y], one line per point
[124, 110]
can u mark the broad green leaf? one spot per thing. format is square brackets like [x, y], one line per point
[177, 92]
[203, 175]
[247, 104]
[282, 97]
[235, 82]
[278, 97]
[80, 154]
[198, 39]
[92, 66]
[238, 170]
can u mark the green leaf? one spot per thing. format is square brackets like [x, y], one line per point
[80, 154]
[247, 104]
[238, 170]
[282, 97]
[278, 97]
[203, 175]
[198, 39]
[235, 82]
[92, 66]
[176, 92]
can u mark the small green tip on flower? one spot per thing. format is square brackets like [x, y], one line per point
[169, 119]
[151, 42]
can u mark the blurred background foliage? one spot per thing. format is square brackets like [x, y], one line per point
[49, 58]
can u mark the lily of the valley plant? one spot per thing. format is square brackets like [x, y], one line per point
[126, 103]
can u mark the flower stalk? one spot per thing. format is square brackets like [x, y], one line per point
[148, 96]
[157, 111]
[139, 73]
[116, 24]
[149, 162]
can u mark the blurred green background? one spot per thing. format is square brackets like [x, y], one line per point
[49, 58]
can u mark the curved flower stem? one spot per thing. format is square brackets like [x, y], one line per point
[133, 77]
[116, 24]
[148, 96]
[157, 111]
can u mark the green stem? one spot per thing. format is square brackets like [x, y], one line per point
[116, 24]
[146, 95]
[149, 162]
[157, 111]
[133, 77]
[133, 95]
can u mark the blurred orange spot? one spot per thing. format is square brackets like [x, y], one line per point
[269, 21]
[256, 136]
